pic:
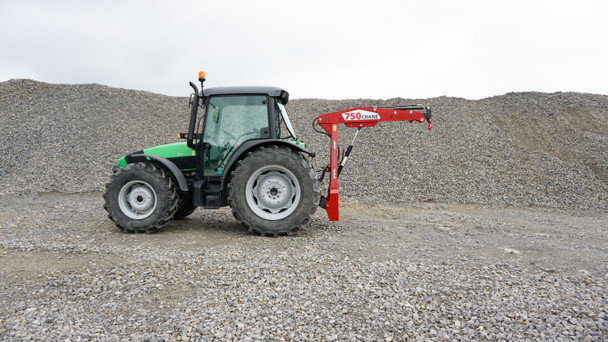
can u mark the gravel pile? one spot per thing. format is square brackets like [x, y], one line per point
[530, 149]
[66, 137]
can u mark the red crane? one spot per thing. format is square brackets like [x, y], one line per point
[358, 117]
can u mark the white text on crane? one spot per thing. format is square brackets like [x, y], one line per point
[360, 115]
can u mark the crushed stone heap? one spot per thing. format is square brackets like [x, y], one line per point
[518, 149]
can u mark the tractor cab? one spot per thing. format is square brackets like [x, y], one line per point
[234, 122]
[236, 115]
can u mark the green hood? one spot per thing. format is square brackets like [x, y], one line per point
[169, 151]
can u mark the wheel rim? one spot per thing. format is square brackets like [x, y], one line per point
[273, 192]
[137, 199]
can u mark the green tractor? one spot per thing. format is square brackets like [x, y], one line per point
[242, 152]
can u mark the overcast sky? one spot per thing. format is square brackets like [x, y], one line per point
[322, 49]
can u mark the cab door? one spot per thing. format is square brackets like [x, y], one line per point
[231, 120]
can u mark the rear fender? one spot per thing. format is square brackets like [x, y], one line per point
[251, 145]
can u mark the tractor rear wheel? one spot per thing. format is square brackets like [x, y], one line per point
[140, 198]
[273, 191]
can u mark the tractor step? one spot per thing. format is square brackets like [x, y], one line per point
[206, 194]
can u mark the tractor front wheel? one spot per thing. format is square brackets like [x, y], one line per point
[273, 191]
[140, 198]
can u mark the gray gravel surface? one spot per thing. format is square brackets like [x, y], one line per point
[492, 226]
[425, 272]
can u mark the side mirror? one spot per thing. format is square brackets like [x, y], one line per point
[284, 97]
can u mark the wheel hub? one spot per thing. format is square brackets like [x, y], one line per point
[137, 200]
[273, 192]
[140, 198]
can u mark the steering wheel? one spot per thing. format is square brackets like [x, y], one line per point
[230, 147]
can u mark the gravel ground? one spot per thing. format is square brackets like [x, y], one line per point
[390, 273]
[492, 226]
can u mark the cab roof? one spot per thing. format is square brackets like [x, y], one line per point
[248, 90]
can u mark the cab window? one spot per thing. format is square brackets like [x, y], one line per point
[230, 121]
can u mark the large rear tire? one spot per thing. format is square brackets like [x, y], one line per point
[273, 191]
[140, 198]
